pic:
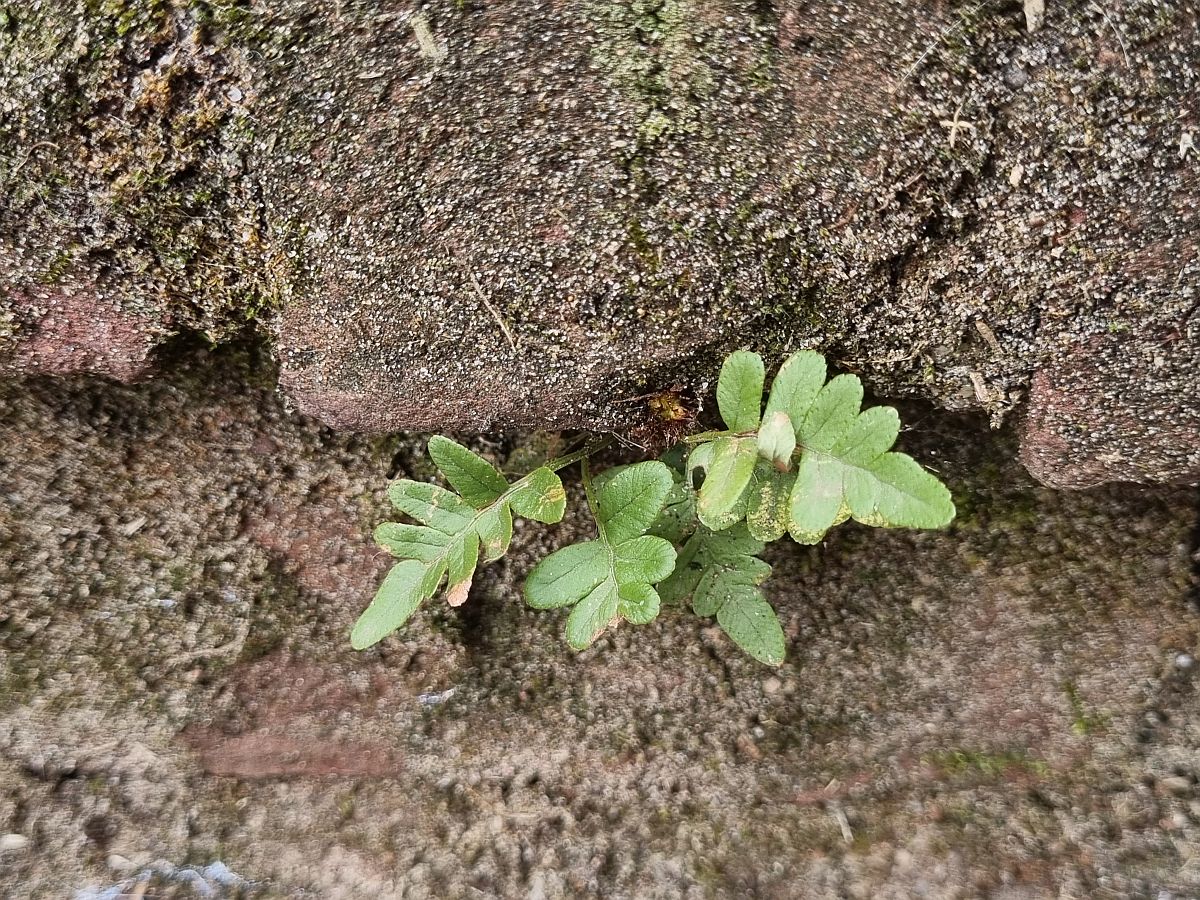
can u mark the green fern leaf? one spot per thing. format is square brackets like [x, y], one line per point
[720, 573]
[838, 466]
[728, 462]
[796, 385]
[729, 467]
[677, 520]
[455, 530]
[610, 578]
[846, 470]
[768, 502]
[739, 391]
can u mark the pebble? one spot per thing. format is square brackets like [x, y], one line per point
[1016, 77]
[1184, 661]
[122, 865]
[1177, 785]
[13, 842]
[772, 686]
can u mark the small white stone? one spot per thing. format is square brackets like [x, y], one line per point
[122, 865]
[13, 842]
[1184, 661]
[1177, 785]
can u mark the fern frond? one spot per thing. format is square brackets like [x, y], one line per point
[813, 462]
[455, 530]
[612, 577]
[720, 573]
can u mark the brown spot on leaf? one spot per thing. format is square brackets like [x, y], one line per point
[457, 594]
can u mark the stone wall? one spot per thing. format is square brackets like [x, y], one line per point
[487, 214]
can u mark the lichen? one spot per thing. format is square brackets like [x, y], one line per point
[654, 53]
[143, 114]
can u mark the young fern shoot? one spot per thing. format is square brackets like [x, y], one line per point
[809, 461]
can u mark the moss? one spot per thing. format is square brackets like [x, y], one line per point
[150, 186]
[641, 245]
[20, 677]
[1160, 21]
[992, 764]
[232, 15]
[57, 267]
[651, 51]
[278, 620]
[1084, 721]
[128, 16]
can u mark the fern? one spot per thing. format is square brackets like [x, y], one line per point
[809, 460]
[455, 530]
[720, 573]
[844, 470]
[610, 578]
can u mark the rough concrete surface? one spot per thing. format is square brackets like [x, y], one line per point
[1006, 709]
[468, 214]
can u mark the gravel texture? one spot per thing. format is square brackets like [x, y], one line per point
[1005, 709]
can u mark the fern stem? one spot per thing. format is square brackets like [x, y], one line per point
[589, 449]
[585, 472]
[705, 436]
